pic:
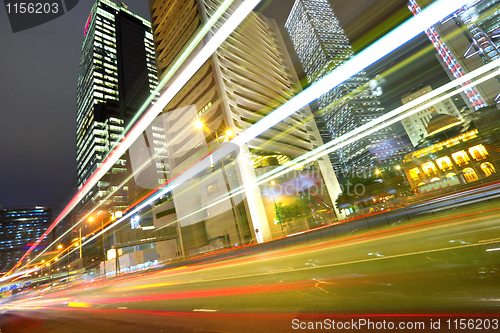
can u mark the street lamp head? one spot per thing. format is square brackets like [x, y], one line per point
[273, 183]
[60, 246]
[398, 167]
[229, 133]
[199, 124]
[377, 172]
[91, 219]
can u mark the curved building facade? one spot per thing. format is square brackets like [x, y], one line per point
[248, 77]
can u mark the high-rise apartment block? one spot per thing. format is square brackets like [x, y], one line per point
[19, 228]
[247, 78]
[322, 45]
[117, 74]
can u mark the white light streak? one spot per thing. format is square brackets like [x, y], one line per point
[387, 44]
[496, 249]
[382, 47]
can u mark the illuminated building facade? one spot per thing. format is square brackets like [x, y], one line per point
[19, 227]
[248, 77]
[457, 153]
[416, 124]
[322, 45]
[464, 42]
[117, 74]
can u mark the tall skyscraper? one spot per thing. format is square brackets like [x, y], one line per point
[117, 74]
[19, 228]
[322, 45]
[465, 41]
[248, 77]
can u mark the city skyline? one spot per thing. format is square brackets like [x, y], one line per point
[55, 136]
[20, 226]
[213, 200]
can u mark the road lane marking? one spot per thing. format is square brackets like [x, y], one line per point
[204, 310]
[339, 264]
[483, 242]
[333, 265]
[122, 308]
[490, 240]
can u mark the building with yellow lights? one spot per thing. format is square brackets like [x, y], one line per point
[455, 152]
[248, 77]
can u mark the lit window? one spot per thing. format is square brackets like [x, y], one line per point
[429, 168]
[414, 174]
[444, 163]
[487, 168]
[470, 175]
[460, 158]
[478, 152]
[450, 175]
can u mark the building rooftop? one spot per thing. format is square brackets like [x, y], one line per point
[441, 122]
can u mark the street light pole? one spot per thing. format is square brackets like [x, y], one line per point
[102, 236]
[80, 243]
[91, 219]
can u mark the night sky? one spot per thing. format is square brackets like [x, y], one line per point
[39, 72]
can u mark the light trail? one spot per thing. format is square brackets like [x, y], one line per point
[371, 54]
[229, 291]
[377, 124]
[208, 49]
[382, 47]
[178, 63]
[291, 252]
[362, 131]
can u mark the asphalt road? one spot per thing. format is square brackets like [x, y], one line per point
[447, 267]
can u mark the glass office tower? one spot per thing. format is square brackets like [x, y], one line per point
[117, 74]
[322, 45]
